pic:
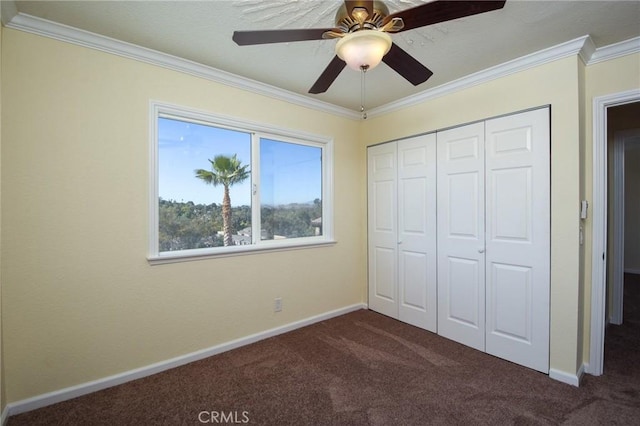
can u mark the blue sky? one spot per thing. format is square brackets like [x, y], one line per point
[290, 173]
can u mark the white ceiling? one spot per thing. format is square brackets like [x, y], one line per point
[201, 31]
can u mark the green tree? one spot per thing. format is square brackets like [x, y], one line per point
[225, 171]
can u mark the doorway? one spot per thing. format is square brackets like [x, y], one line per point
[601, 218]
[624, 205]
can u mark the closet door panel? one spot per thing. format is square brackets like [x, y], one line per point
[463, 291]
[518, 238]
[417, 231]
[460, 257]
[383, 277]
[383, 229]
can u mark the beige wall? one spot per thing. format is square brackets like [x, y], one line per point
[80, 302]
[581, 249]
[556, 84]
[604, 78]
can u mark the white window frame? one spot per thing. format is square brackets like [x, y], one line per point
[258, 131]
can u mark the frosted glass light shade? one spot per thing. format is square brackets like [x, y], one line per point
[365, 47]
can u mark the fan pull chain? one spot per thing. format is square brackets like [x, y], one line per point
[364, 69]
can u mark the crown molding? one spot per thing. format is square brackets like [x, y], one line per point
[583, 46]
[569, 48]
[54, 30]
[587, 51]
[613, 51]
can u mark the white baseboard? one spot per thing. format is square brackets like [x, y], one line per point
[568, 378]
[632, 271]
[54, 397]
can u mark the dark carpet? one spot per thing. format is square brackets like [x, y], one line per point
[367, 369]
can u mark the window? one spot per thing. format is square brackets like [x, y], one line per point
[221, 186]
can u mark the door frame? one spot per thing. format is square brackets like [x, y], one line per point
[617, 263]
[599, 228]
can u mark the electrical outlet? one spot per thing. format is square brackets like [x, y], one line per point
[277, 304]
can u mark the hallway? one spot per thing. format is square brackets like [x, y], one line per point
[622, 342]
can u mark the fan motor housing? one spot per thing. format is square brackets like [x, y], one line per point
[348, 24]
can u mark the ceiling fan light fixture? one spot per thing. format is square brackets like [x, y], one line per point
[363, 48]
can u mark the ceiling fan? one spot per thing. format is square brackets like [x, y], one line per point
[362, 27]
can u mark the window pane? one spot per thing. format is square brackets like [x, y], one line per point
[191, 188]
[290, 190]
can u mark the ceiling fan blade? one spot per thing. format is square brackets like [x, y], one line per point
[441, 11]
[328, 75]
[406, 65]
[244, 38]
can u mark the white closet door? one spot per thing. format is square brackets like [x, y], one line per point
[461, 259]
[382, 229]
[518, 238]
[417, 231]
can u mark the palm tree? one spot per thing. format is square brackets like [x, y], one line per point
[225, 171]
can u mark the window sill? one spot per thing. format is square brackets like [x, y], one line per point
[202, 254]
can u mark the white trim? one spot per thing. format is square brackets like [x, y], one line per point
[54, 397]
[164, 258]
[563, 50]
[617, 258]
[632, 271]
[587, 50]
[623, 48]
[599, 230]
[54, 30]
[154, 214]
[568, 378]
